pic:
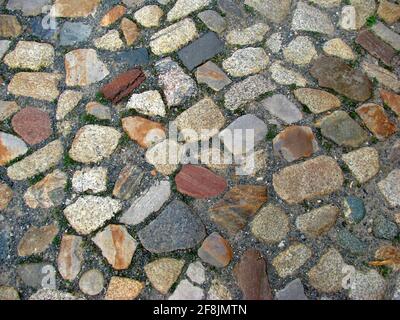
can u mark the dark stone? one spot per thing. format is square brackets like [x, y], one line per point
[37, 30]
[385, 229]
[74, 32]
[133, 58]
[351, 243]
[128, 182]
[32, 274]
[4, 246]
[355, 209]
[176, 228]
[375, 46]
[294, 290]
[201, 50]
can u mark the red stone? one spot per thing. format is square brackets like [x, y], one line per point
[32, 125]
[251, 275]
[216, 251]
[392, 100]
[123, 85]
[376, 46]
[199, 182]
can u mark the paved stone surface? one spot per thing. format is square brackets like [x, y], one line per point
[390, 188]
[121, 288]
[309, 18]
[290, 260]
[216, 251]
[318, 221]
[11, 147]
[36, 240]
[363, 163]
[294, 290]
[210, 74]
[282, 108]
[187, 291]
[70, 257]
[91, 282]
[73, 33]
[128, 182]
[90, 180]
[317, 101]
[246, 61]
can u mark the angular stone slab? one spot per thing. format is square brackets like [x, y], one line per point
[375, 46]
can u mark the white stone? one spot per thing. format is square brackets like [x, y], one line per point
[196, 272]
[149, 103]
[90, 179]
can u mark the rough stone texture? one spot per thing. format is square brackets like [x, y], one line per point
[8, 294]
[213, 20]
[111, 41]
[246, 61]
[128, 182]
[390, 188]
[196, 272]
[163, 273]
[70, 257]
[247, 36]
[290, 261]
[145, 132]
[216, 251]
[93, 143]
[375, 46]
[274, 10]
[90, 179]
[309, 18]
[130, 30]
[318, 221]
[384, 228]
[121, 288]
[254, 284]
[89, 213]
[73, 33]
[354, 209]
[31, 274]
[7, 109]
[317, 101]
[183, 8]
[113, 15]
[176, 228]
[364, 10]
[367, 286]
[9, 26]
[338, 48]
[28, 7]
[6, 195]
[67, 101]
[91, 282]
[350, 243]
[314, 178]
[281, 107]
[11, 147]
[149, 103]
[75, 8]
[210, 74]
[286, 76]
[187, 291]
[149, 16]
[116, 245]
[36, 240]
[383, 76]
[348, 18]
[53, 295]
[389, 11]
[387, 35]
[300, 51]
[294, 290]
[165, 156]
[392, 100]
[218, 291]
[38, 162]
[363, 163]
[98, 111]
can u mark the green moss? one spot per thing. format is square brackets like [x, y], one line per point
[90, 119]
[68, 161]
[371, 21]
[36, 179]
[272, 132]
[100, 98]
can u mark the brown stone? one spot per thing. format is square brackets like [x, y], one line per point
[145, 132]
[9, 26]
[376, 120]
[130, 30]
[113, 15]
[237, 206]
[36, 240]
[317, 101]
[6, 195]
[389, 11]
[123, 85]
[199, 182]
[251, 275]
[128, 182]
[216, 251]
[33, 125]
[375, 46]
[123, 289]
[11, 147]
[7, 109]
[295, 142]
[70, 257]
[313, 178]
[75, 8]
[333, 73]
[392, 100]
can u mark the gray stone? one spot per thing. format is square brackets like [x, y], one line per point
[350, 243]
[213, 20]
[354, 209]
[292, 259]
[247, 36]
[132, 58]
[183, 8]
[201, 50]
[186, 291]
[32, 274]
[390, 188]
[44, 33]
[384, 228]
[281, 107]
[4, 246]
[196, 272]
[4, 45]
[294, 290]
[174, 229]
[210, 74]
[246, 61]
[149, 103]
[233, 11]
[98, 111]
[387, 35]
[309, 18]
[28, 7]
[91, 282]
[274, 10]
[73, 33]
[367, 286]
[285, 76]
[90, 179]
[318, 221]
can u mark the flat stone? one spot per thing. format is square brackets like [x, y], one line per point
[83, 67]
[148, 103]
[286, 76]
[327, 275]
[30, 55]
[300, 51]
[218, 291]
[247, 36]
[392, 100]
[7, 109]
[111, 41]
[216, 251]
[313, 178]
[274, 42]
[338, 48]
[213, 20]
[173, 37]
[91, 282]
[67, 102]
[333, 73]
[165, 156]
[343, 130]
[281, 107]
[270, 225]
[149, 202]
[90, 180]
[376, 120]
[130, 30]
[196, 272]
[89, 213]
[149, 16]
[367, 286]
[73, 33]
[38, 162]
[93, 143]
[113, 15]
[246, 61]
[175, 228]
[363, 163]
[233, 11]
[351, 243]
[116, 245]
[33, 125]
[11, 147]
[201, 121]
[390, 188]
[237, 206]
[48, 192]
[317, 101]
[121, 288]
[255, 284]
[294, 290]
[364, 10]
[28, 7]
[210, 74]
[128, 182]
[8, 294]
[36, 240]
[123, 85]
[386, 34]
[201, 50]
[37, 85]
[145, 132]
[75, 8]
[9, 26]
[41, 30]
[163, 273]
[187, 291]
[318, 221]
[178, 87]
[183, 8]
[99, 111]
[70, 257]
[394, 155]
[132, 58]
[295, 142]
[274, 10]
[348, 18]
[53, 295]
[309, 18]
[199, 182]
[6, 195]
[32, 275]
[246, 91]
[375, 46]
[384, 228]
[354, 211]
[383, 76]
[291, 260]
[389, 11]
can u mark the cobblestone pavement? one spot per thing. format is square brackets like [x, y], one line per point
[90, 91]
